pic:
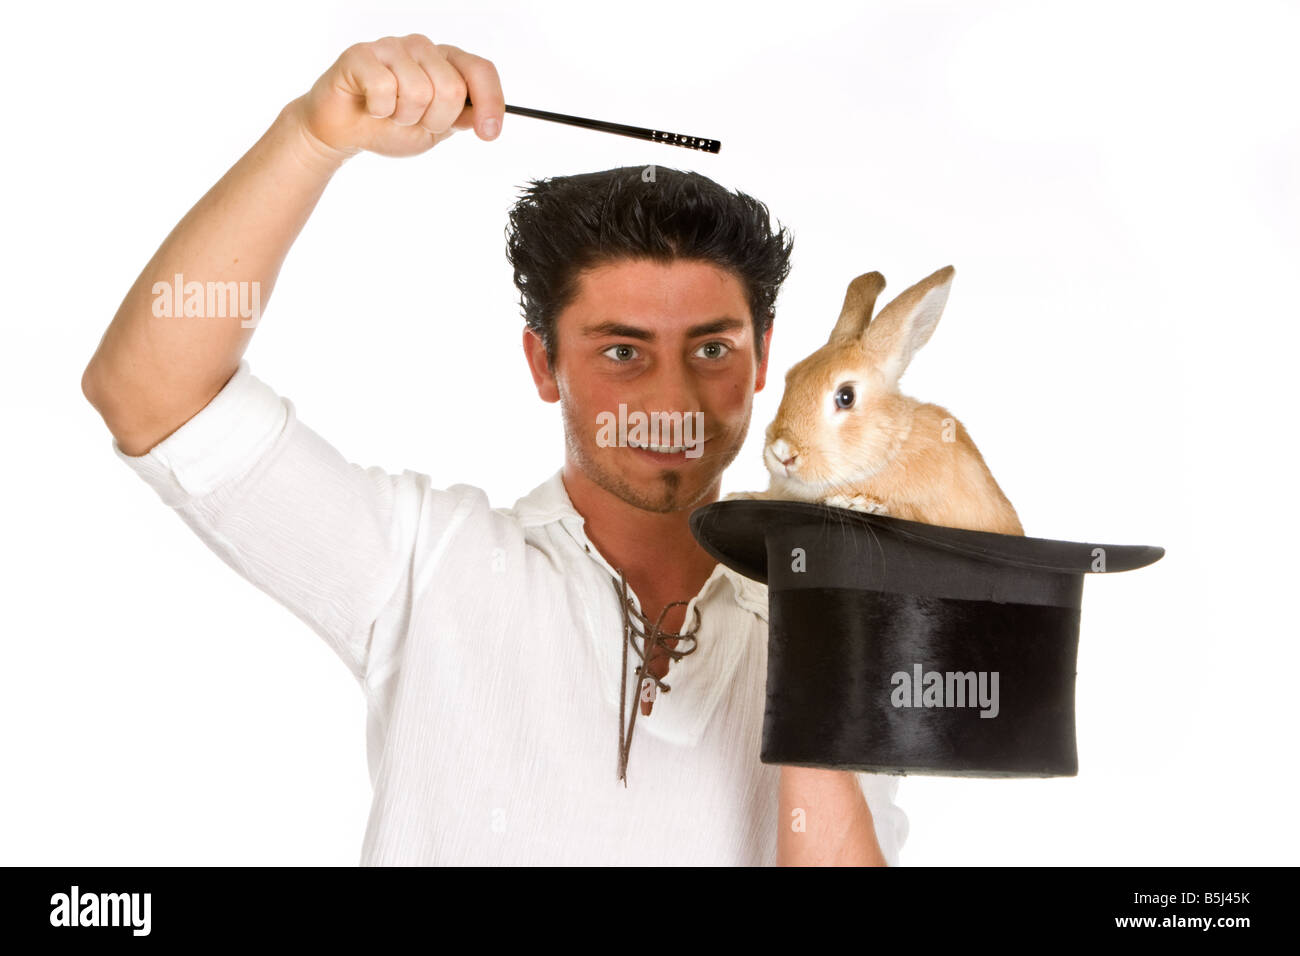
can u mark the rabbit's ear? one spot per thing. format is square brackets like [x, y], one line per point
[859, 302]
[907, 323]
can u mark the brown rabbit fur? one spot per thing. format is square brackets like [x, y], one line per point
[868, 447]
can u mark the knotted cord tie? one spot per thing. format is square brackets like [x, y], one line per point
[654, 640]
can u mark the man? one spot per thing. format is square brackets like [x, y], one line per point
[496, 646]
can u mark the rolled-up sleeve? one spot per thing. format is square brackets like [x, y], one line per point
[330, 540]
[881, 793]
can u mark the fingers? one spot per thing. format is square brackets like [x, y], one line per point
[433, 82]
[484, 86]
[362, 74]
[415, 89]
[422, 87]
[449, 89]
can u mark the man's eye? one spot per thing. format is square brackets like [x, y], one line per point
[622, 352]
[718, 349]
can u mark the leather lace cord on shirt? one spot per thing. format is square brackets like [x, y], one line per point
[650, 642]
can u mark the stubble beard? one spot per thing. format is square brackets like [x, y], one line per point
[662, 494]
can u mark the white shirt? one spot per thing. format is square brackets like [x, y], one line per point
[488, 643]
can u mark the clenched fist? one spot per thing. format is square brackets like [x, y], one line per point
[401, 96]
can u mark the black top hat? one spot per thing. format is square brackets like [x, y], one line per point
[901, 647]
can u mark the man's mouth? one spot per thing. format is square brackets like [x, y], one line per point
[667, 453]
[661, 449]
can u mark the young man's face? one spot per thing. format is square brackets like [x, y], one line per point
[657, 338]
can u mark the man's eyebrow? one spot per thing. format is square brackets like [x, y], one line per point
[622, 330]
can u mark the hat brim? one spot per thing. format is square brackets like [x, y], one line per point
[735, 533]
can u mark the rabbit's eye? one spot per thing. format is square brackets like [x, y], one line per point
[845, 397]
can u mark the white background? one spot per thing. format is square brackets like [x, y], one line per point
[1116, 184]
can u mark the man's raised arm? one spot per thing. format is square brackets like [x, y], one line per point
[154, 369]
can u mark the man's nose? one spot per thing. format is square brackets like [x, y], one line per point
[673, 388]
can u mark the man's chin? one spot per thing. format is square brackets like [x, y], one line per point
[666, 489]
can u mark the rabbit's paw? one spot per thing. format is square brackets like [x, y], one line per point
[858, 503]
[743, 496]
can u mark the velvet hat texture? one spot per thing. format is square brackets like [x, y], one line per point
[901, 647]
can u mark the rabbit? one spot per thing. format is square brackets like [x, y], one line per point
[845, 436]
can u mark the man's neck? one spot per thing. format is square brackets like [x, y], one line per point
[659, 556]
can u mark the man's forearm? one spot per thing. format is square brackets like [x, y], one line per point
[152, 372]
[824, 820]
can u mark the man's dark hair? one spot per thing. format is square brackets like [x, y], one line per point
[564, 225]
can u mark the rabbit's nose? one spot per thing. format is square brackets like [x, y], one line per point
[783, 453]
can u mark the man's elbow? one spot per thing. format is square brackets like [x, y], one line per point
[90, 383]
[98, 390]
[135, 435]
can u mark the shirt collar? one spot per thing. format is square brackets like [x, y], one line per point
[550, 502]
